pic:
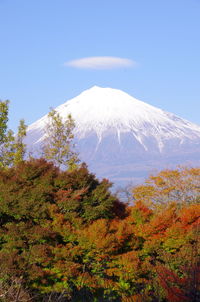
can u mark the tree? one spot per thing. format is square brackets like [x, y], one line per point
[19, 146]
[6, 136]
[64, 236]
[180, 186]
[12, 148]
[3, 120]
[43, 211]
[58, 146]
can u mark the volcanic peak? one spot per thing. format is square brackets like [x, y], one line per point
[107, 111]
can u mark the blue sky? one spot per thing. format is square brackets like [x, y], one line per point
[41, 41]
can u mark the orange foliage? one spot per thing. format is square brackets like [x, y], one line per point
[180, 186]
[66, 233]
[190, 216]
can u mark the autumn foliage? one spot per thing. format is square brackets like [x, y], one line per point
[65, 237]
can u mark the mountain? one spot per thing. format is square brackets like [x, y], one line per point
[122, 138]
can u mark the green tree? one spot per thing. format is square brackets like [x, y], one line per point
[58, 146]
[3, 120]
[6, 136]
[7, 150]
[12, 148]
[19, 146]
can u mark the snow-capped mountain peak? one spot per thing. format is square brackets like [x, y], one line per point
[110, 121]
[107, 110]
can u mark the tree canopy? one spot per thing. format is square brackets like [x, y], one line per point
[58, 146]
[63, 235]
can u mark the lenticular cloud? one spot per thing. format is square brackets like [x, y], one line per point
[101, 63]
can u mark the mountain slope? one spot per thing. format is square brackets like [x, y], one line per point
[123, 138]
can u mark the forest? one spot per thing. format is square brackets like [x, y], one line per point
[65, 237]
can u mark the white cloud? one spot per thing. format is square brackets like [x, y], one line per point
[101, 63]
